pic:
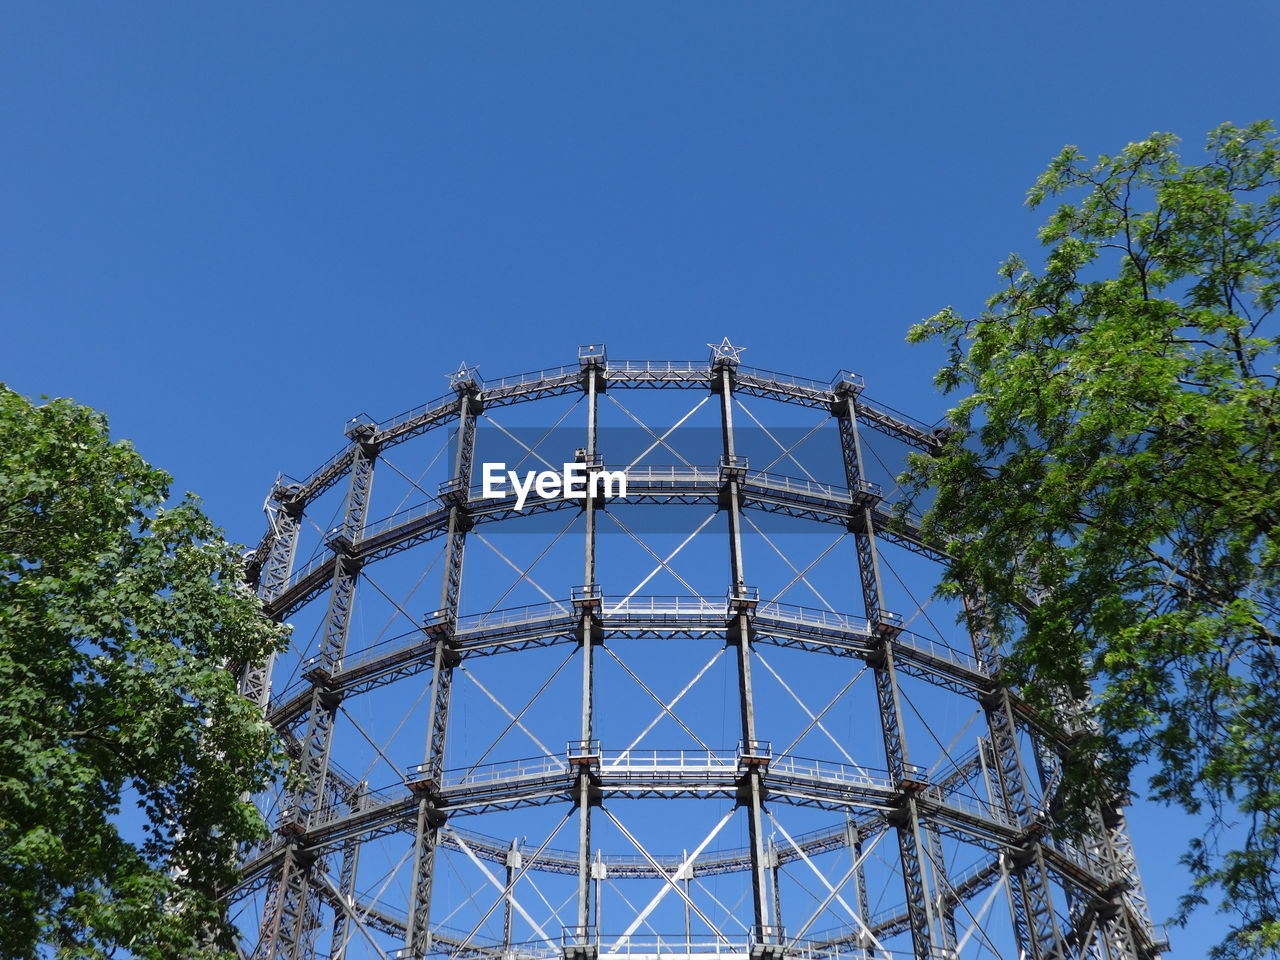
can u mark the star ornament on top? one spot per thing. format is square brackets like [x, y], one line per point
[462, 374]
[725, 351]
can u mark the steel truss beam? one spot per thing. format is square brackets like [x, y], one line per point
[587, 608]
[925, 924]
[1035, 921]
[289, 925]
[750, 788]
[442, 624]
[270, 572]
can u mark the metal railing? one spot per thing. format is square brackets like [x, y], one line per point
[808, 488]
[707, 608]
[668, 761]
[414, 512]
[829, 771]
[321, 559]
[813, 617]
[672, 473]
[511, 616]
[530, 768]
[658, 761]
[784, 379]
[938, 649]
[972, 805]
[572, 371]
[657, 366]
[640, 945]
[444, 401]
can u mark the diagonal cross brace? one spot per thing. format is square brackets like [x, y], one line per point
[823, 712]
[647, 549]
[514, 566]
[833, 892]
[658, 439]
[815, 720]
[800, 574]
[785, 451]
[827, 883]
[503, 707]
[511, 885]
[671, 885]
[666, 707]
[658, 867]
[662, 563]
[507, 890]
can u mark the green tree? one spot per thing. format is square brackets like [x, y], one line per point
[116, 618]
[1110, 486]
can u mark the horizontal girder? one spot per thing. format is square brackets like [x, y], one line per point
[620, 374]
[805, 499]
[554, 621]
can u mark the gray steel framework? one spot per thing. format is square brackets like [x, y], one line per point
[1064, 899]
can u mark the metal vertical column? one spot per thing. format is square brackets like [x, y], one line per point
[686, 877]
[292, 920]
[590, 360]
[347, 882]
[775, 882]
[853, 837]
[513, 864]
[255, 680]
[1127, 929]
[1035, 921]
[944, 899]
[273, 576]
[1127, 932]
[1119, 932]
[750, 786]
[925, 931]
[1137, 917]
[599, 874]
[430, 818]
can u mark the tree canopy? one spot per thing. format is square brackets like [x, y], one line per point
[117, 616]
[1110, 488]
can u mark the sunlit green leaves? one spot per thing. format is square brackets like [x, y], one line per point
[1115, 459]
[116, 618]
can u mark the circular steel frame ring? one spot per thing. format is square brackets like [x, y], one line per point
[1098, 878]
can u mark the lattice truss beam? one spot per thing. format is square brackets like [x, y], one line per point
[737, 724]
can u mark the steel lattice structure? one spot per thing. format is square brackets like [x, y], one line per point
[909, 834]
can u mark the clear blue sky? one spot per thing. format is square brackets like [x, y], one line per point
[232, 226]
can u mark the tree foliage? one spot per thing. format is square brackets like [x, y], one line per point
[1110, 487]
[116, 618]
[1113, 459]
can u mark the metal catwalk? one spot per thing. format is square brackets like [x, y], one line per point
[779, 755]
